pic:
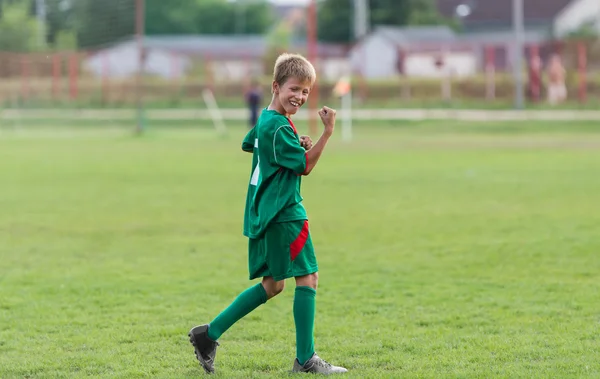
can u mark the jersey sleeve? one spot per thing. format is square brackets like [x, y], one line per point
[249, 141]
[287, 151]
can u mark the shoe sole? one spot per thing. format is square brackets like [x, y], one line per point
[199, 356]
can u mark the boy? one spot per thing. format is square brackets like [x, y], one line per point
[275, 220]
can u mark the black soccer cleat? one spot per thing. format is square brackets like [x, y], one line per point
[205, 348]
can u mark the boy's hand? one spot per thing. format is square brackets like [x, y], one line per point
[328, 117]
[306, 142]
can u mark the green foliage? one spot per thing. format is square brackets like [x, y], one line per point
[18, 31]
[65, 40]
[5, 3]
[586, 31]
[102, 22]
[207, 17]
[336, 17]
[95, 23]
[423, 12]
[60, 22]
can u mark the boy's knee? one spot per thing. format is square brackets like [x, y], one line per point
[273, 288]
[310, 280]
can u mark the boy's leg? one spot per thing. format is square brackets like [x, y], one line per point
[245, 303]
[305, 264]
[248, 300]
[290, 254]
[301, 262]
[304, 317]
[204, 337]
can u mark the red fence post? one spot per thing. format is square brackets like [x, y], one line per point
[490, 72]
[25, 63]
[73, 76]
[535, 67]
[176, 73]
[582, 64]
[56, 61]
[401, 67]
[105, 77]
[208, 72]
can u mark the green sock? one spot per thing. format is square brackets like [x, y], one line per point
[304, 317]
[245, 303]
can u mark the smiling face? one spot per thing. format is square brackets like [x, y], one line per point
[293, 78]
[290, 96]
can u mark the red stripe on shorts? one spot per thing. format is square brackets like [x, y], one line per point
[297, 246]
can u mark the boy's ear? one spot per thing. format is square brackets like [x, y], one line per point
[275, 87]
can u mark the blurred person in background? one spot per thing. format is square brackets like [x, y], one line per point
[557, 89]
[253, 100]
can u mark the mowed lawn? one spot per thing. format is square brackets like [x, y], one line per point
[445, 251]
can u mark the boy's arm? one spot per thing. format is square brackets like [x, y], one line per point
[312, 156]
[289, 153]
[287, 150]
[249, 141]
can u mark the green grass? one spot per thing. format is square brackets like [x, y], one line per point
[449, 250]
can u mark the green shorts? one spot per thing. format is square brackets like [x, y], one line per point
[284, 251]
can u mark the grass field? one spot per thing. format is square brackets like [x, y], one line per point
[446, 251]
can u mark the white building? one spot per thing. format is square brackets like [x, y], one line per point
[122, 61]
[224, 57]
[576, 14]
[414, 51]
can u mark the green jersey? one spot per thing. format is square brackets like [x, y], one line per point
[278, 162]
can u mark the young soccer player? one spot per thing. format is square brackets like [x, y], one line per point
[275, 220]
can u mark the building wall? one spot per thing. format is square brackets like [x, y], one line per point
[456, 64]
[375, 57]
[123, 62]
[332, 69]
[575, 15]
[235, 69]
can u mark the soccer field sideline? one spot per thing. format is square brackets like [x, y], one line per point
[357, 114]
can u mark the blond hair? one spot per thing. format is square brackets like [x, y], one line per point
[293, 66]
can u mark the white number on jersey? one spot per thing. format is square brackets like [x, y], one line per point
[256, 173]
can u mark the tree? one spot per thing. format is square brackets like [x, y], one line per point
[587, 30]
[334, 20]
[423, 12]
[258, 17]
[4, 4]
[88, 24]
[336, 17]
[207, 17]
[61, 24]
[102, 22]
[173, 16]
[17, 28]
